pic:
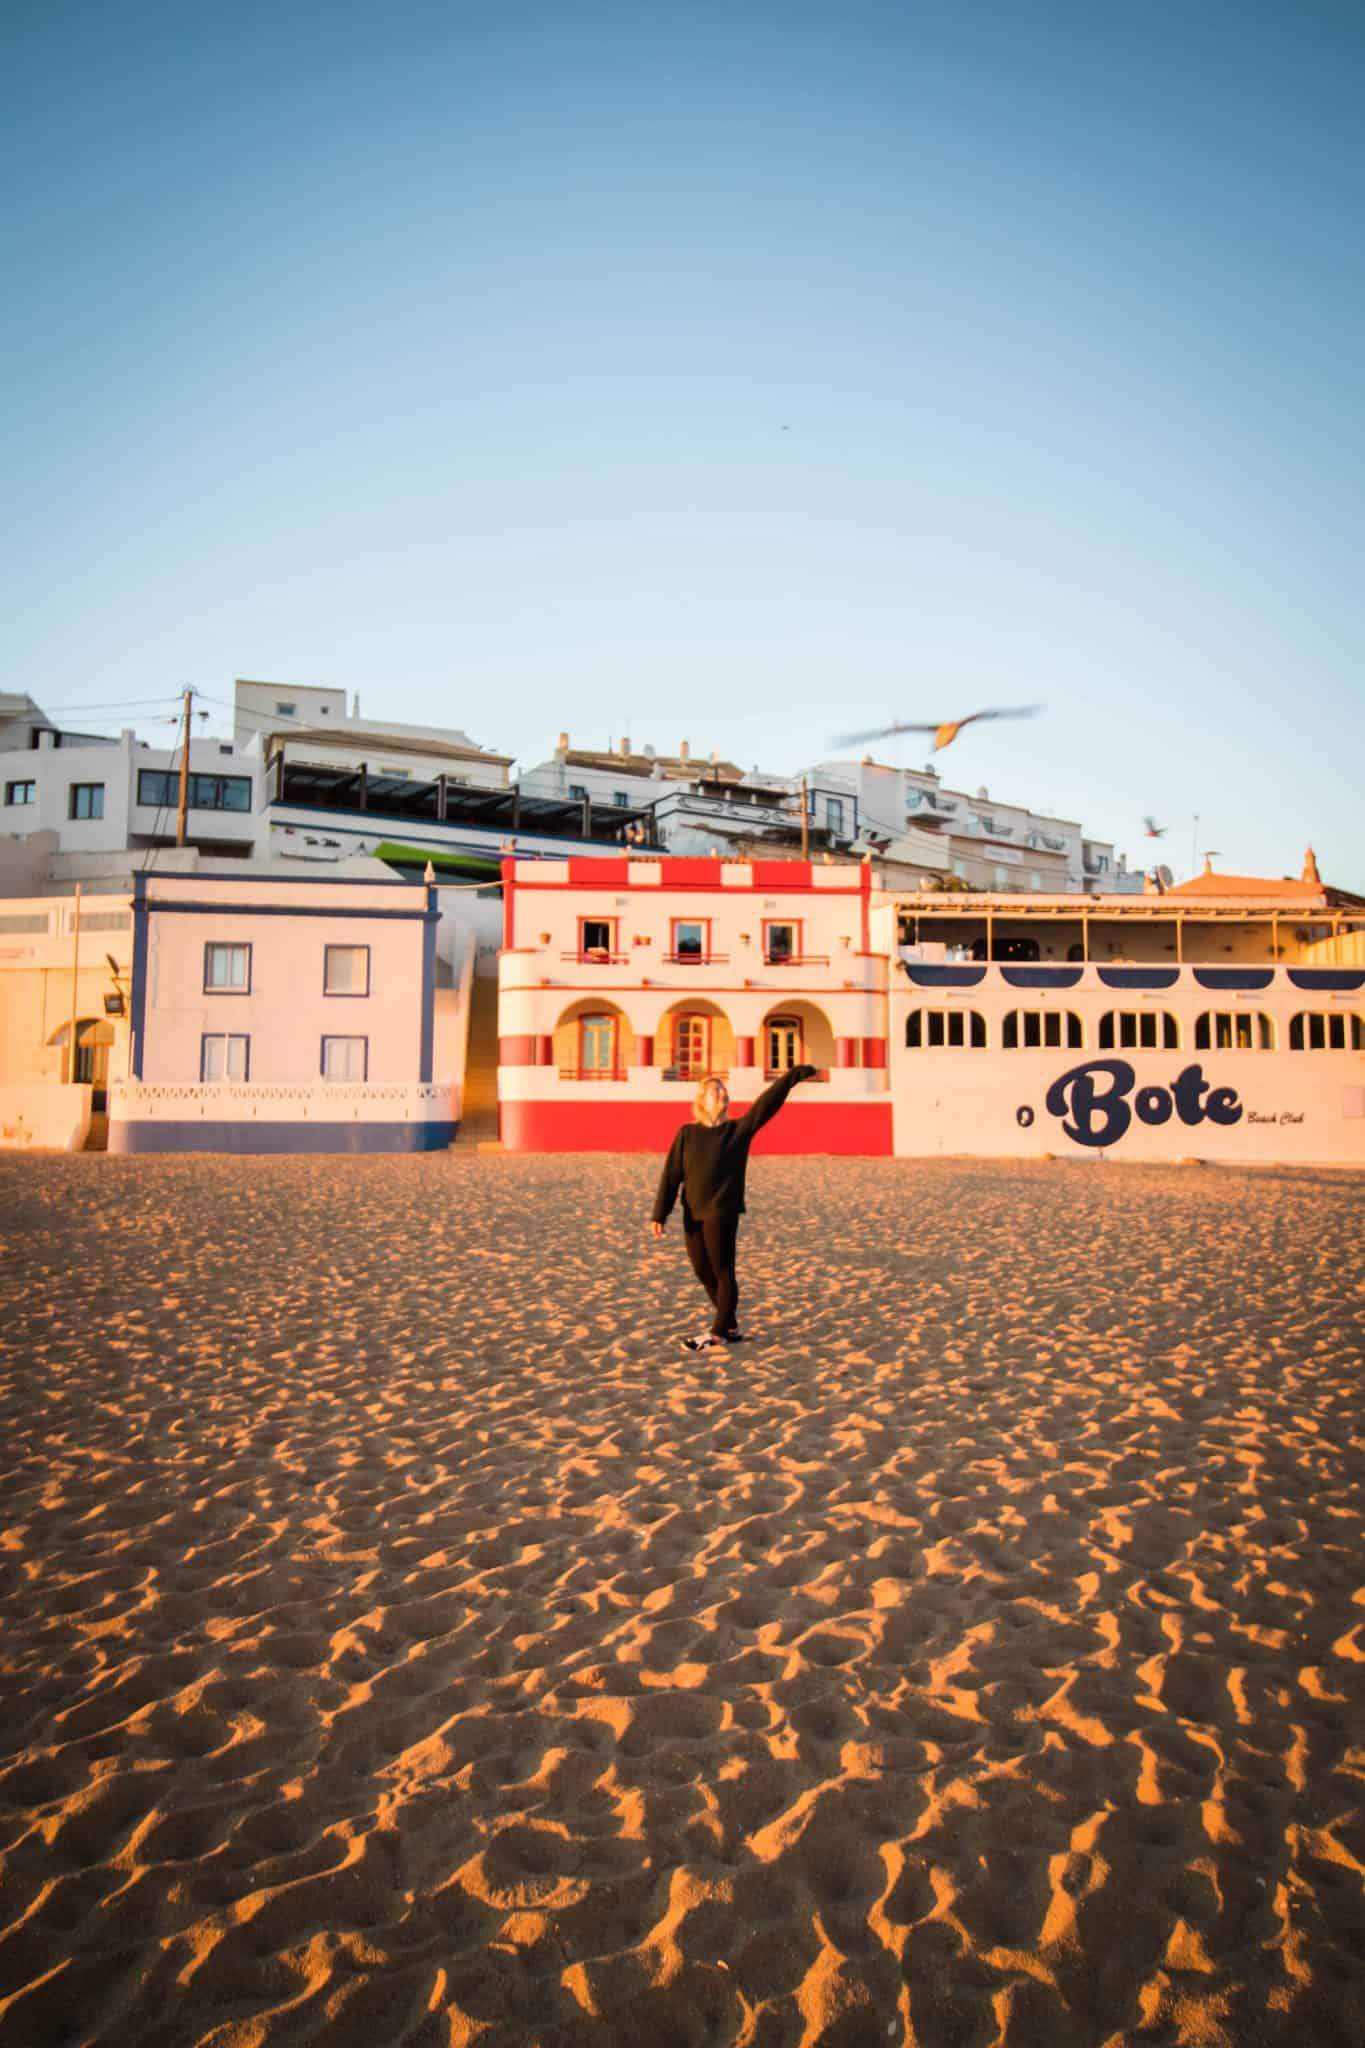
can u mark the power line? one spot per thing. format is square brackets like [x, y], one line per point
[116, 705]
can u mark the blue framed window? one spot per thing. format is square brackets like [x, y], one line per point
[21, 792]
[225, 1056]
[345, 1059]
[227, 968]
[345, 970]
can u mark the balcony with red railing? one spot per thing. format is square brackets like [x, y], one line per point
[594, 957]
[776, 1073]
[696, 959]
[796, 959]
[593, 1074]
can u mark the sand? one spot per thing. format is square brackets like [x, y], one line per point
[401, 1640]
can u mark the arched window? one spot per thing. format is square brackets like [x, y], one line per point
[950, 1029]
[1327, 1031]
[1025, 1029]
[1234, 1031]
[1138, 1031]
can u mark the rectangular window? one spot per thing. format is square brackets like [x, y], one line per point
[621, 799]
[834, 816]
[689, 939]
[87, 800]
[345, 970]
[597, 1045]
[596, 938]
[783, 1048]
[158, 788]
[345, 1059]
[220, 793]
[577, 792]
[21, 792]
[225, 1056]
[780, 942]
[227, 969]
[286, 710]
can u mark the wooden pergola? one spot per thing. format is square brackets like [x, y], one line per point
[952, 907]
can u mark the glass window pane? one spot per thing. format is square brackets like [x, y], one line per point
[347, 970]
[343, 1059]
[688, 941]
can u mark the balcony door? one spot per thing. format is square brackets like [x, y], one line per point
[784, 1044]
[597, 1046]
[692, 1047]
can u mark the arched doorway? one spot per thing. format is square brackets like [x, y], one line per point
[696, 1038]
[94, 1036]
[593, 1041]
[795, 1034]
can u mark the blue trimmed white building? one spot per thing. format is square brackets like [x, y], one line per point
[290, 1014]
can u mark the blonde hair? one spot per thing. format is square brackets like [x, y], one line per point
[699, 1106]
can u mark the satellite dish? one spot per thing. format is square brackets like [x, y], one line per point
[1164, 876]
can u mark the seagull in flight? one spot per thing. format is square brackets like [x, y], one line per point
[945, 732]
[1151, 830]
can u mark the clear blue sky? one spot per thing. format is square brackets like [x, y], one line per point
[746, 372]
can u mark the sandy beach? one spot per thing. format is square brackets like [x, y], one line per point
[403, 1640]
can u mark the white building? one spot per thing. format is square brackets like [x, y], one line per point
[310, 726]
[121, 795]
[703, 804]
[915, 826]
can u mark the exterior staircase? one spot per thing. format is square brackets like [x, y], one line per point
[97, 1137]
[479, 1116]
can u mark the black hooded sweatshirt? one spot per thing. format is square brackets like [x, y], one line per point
[708, 1161]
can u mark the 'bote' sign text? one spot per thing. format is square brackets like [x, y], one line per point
[1094, 1106]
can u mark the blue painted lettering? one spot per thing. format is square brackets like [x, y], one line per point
[1094, 1113]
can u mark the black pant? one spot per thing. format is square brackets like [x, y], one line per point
[710, 1242]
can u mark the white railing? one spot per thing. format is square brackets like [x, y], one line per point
[285, 1101]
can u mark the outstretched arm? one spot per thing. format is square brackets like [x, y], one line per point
[772, 1099]
[670, 1180]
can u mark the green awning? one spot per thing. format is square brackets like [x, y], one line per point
[475, 865]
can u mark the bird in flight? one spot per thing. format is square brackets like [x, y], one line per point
[944, 731]
[1151, 830]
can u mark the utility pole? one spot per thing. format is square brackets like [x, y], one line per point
[184, 771]
[75, 981]
[805, 822]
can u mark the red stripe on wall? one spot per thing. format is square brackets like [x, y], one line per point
[781, 874]
[850, 1129]
[598, 873]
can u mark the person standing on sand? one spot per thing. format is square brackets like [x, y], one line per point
[707, 1161]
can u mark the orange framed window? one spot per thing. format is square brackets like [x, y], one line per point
[782, 1045]
[596, 938]
[690, 940]
[781, 940]
[596, 1046]
[692, 1046]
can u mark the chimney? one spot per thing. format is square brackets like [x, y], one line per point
[684, 751]
[1310, 869]
[563, 745]
[715, 757]
[624, 750]
[355, 708]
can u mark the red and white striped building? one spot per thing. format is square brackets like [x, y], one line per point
[622, 983]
